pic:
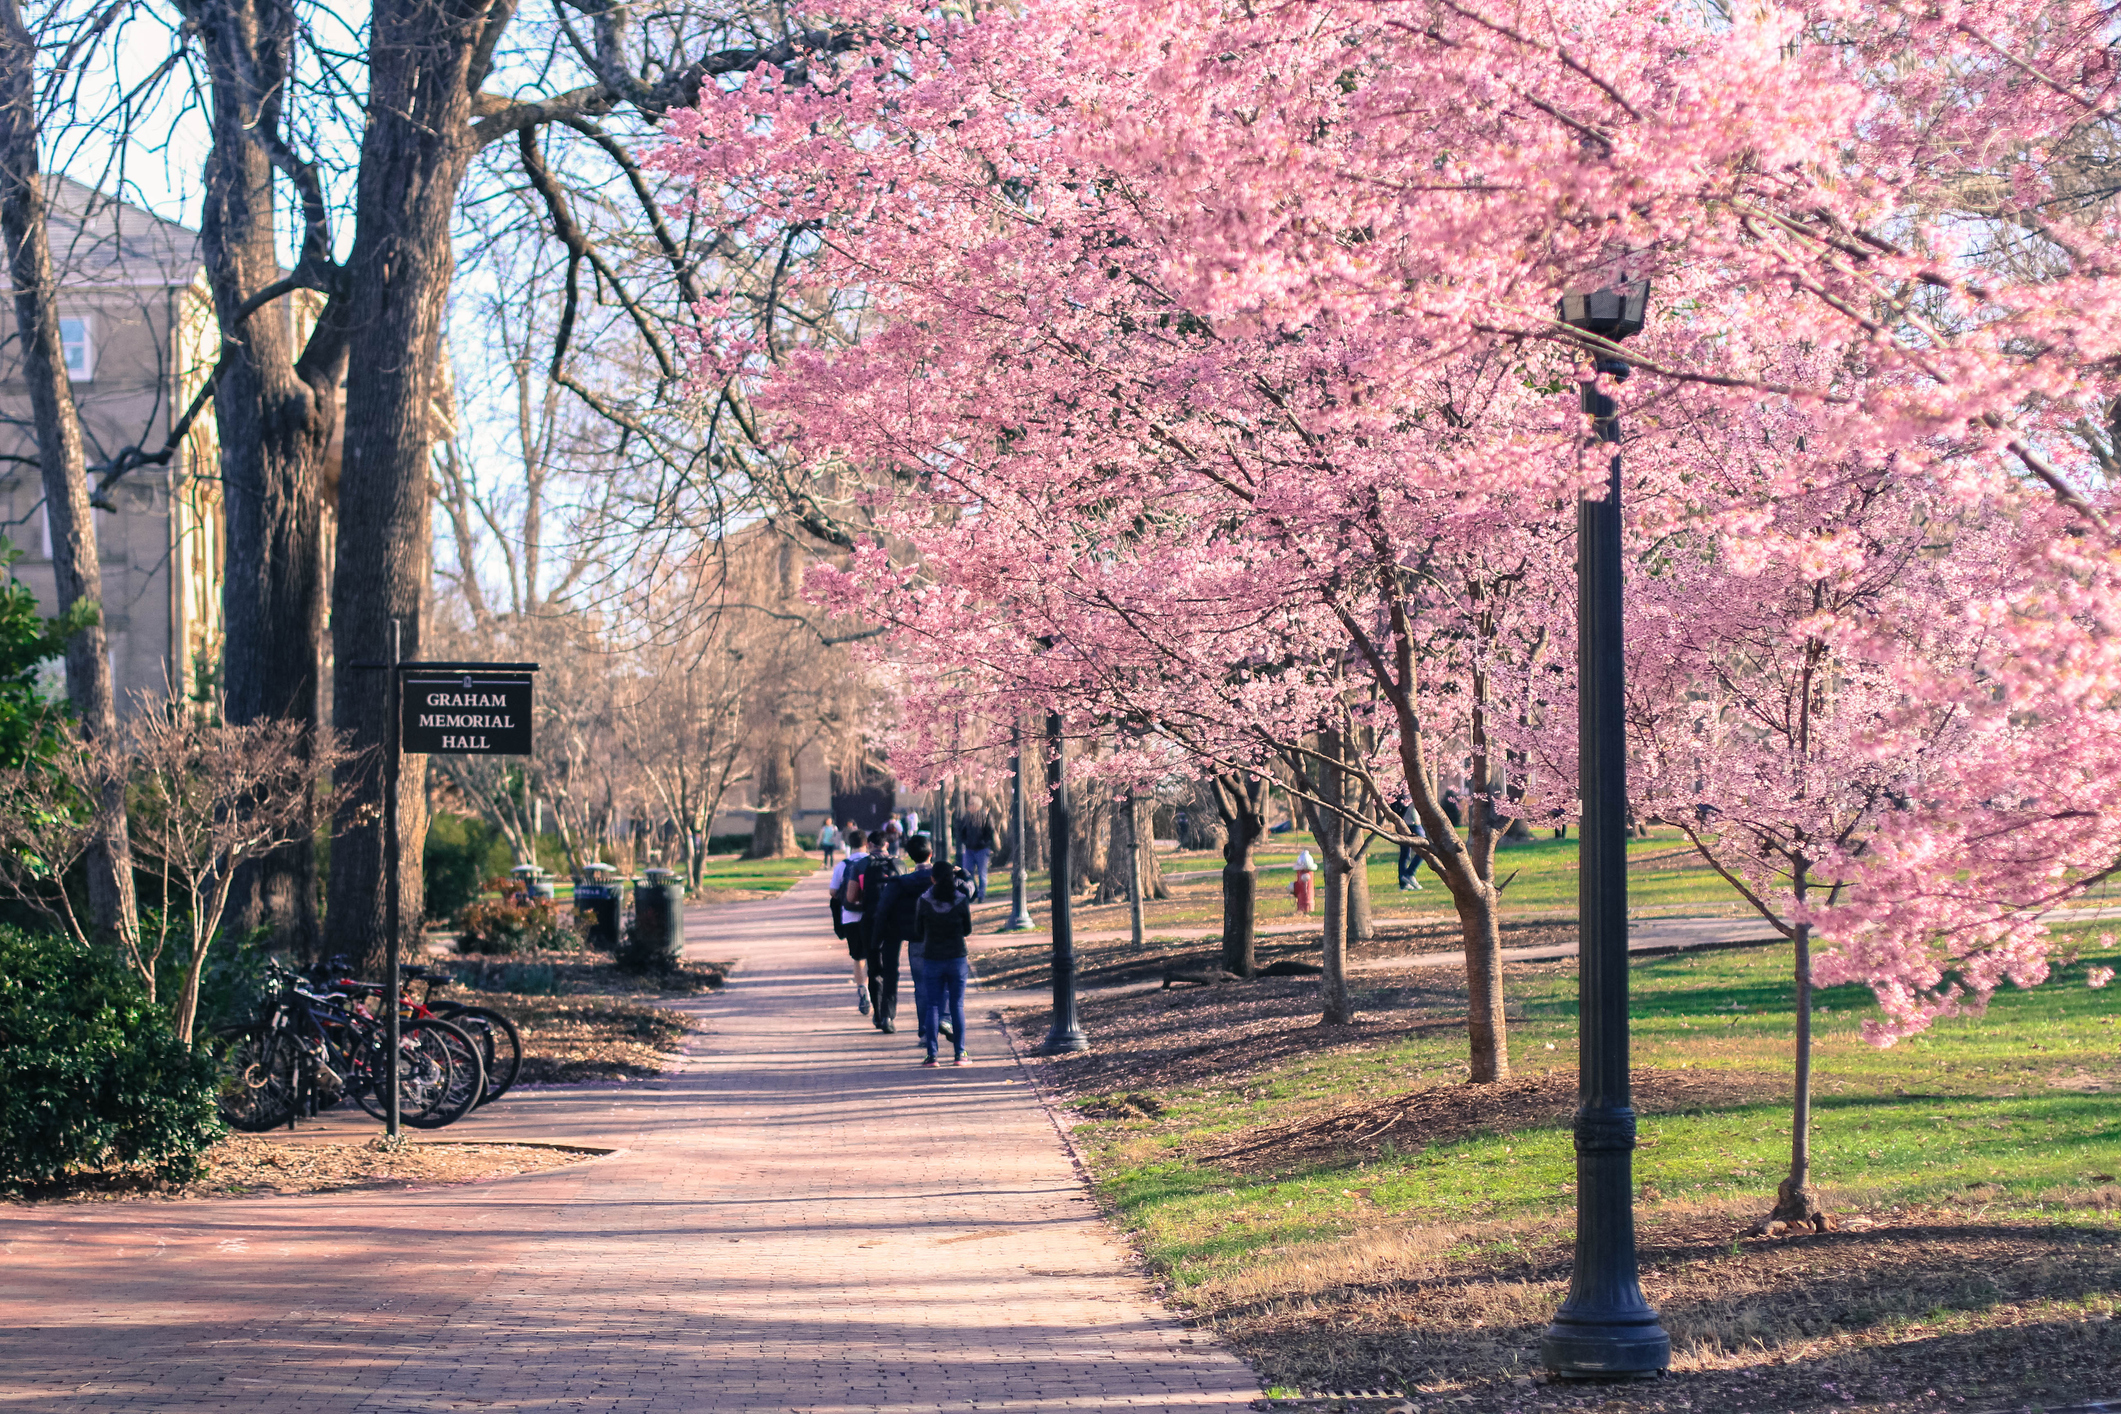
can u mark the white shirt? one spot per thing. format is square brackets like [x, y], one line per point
[839, 877]
[913, 822]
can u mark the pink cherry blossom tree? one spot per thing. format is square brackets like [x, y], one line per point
[1210, 357]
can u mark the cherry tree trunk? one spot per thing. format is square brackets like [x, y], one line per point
[1335, 1007]
[113, 912]
[1796, 1201]
[1361, 924]
[1240, 801]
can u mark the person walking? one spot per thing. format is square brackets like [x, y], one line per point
[891, 837]
[894, 924]
[1302, 887]
[975, 848]
[828, 841]
[847, 917]
[1409, 857]
[943, 920]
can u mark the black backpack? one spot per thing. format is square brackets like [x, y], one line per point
[862, 890]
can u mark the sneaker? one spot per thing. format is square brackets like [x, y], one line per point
[958, 1059]
[861, 999]
[1416, 884]
[930, 1061]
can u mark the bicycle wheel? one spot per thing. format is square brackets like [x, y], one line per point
[424, 1066]
[463, 1079]
[257, 1081]
[499, 1047]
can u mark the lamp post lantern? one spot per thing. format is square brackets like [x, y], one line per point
[1065, 1034]
[1019, 835]
[1605, 1329]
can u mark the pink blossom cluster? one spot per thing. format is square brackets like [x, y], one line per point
[1209, 388]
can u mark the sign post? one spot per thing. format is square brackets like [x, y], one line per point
[437, 709]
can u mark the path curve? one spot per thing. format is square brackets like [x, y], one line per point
[801, 1219]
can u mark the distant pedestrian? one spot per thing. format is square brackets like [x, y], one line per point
[911, 823]
[943, 920]
[975, 848]
[1453, 810]
[828, 842]
[892, 837]
[1301, 888]
[1409, 857]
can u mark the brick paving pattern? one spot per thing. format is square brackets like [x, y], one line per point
[801, 1219]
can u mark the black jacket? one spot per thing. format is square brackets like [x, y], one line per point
[894, 919]
[942, 928]
[975, 832]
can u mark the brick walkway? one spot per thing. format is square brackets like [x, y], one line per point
[801, 1219]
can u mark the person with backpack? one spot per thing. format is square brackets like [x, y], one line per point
[847, 913]
[893, 924]
[942, 922]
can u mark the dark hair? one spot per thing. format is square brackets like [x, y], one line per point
[918, 848]
[855, 838]
[945, 883]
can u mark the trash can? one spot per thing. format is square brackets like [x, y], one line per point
[596, 893]
[532, 878]
[658, 933]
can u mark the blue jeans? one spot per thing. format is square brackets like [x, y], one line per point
[1409, 864]
[943, 992]
[975, 862]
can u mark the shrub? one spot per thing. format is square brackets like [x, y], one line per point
[91, 1076]
[459, 855]
[504, 925]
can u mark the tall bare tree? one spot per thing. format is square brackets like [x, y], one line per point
[24, 217]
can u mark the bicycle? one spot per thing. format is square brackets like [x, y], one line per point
[500, 1045]
[307, 1051]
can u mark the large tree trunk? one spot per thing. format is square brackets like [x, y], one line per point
[113, 913]
[1152, 868]
[773, 825]
[1240, 801]
[426, 56]
[274, 417]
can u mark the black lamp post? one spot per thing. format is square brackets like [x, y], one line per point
[1019, 835]
[1066, 1034]
[1605, 1330]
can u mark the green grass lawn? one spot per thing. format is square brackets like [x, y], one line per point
[1665, 879]
[770, 876]
[2011, 1116]
[1976, 1100]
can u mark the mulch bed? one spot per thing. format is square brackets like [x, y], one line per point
[596, 1022]
[1444, 1113]
[1915, 1311]
[251, 1166]
[1191, 1035]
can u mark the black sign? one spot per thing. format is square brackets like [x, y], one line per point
[466, 713]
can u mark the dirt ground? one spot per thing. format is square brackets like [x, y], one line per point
[254, 1165]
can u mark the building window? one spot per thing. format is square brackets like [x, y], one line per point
[79, 347]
